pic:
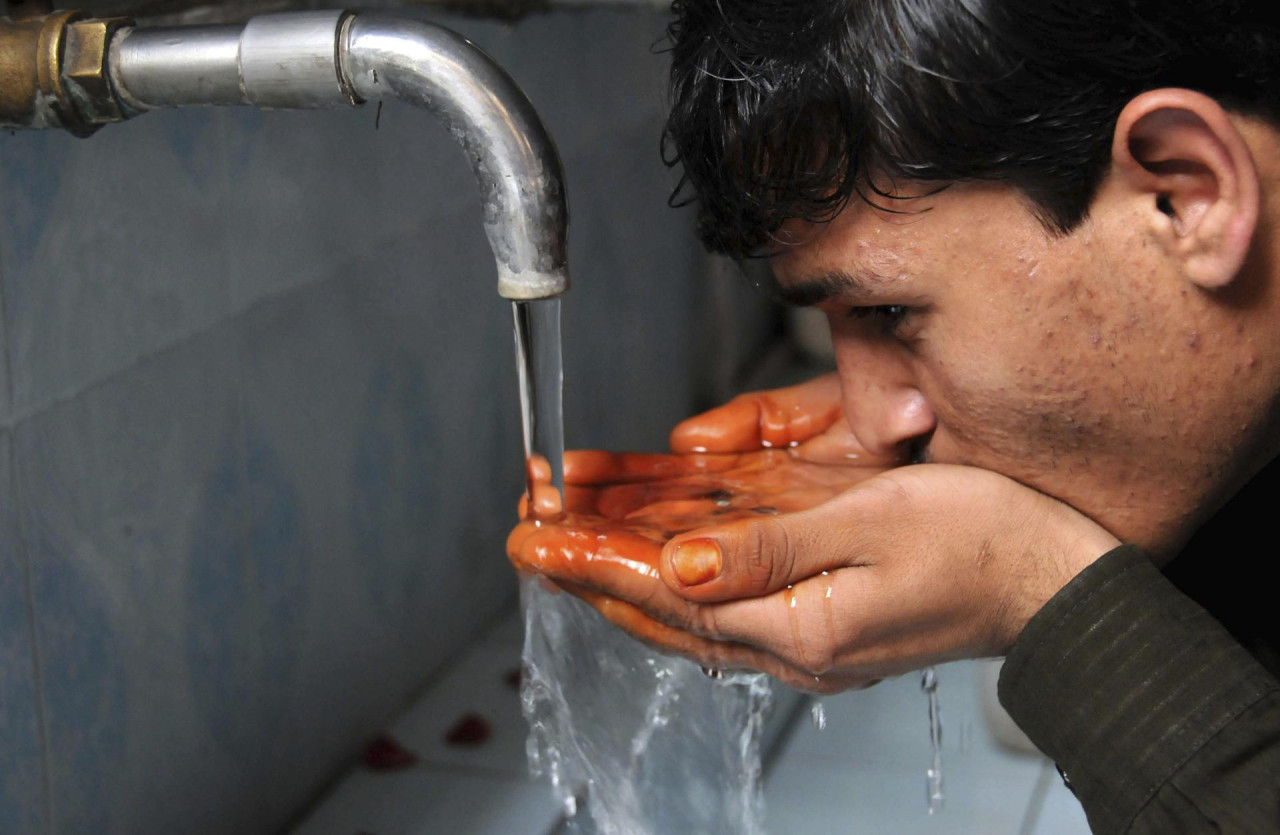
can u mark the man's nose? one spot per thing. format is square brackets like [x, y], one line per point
[887, 412]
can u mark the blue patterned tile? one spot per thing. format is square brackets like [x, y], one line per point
[22, 793]
[268, 450]
[114, 247]
[380, 394]
[310, 192]
[130, 492]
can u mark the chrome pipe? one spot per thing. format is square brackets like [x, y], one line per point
[274, 62]
[177, 66]
[306, 60]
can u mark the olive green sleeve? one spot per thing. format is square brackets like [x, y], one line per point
[1159, 720]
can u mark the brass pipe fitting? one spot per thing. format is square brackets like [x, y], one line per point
[85, 77]
[53, 72]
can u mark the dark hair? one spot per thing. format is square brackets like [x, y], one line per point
[781, 109]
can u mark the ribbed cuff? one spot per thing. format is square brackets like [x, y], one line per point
[1121, 678]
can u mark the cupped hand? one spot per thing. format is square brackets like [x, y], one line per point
[806, 418]
[911, 567]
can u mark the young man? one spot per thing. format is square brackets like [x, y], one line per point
[1045, 235]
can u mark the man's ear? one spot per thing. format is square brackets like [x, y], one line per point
[1181, 152]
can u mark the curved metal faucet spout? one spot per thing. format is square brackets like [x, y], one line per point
[515, 162]
[111, 70]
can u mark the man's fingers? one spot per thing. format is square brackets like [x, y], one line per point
[588, 467]
[819, 625]
[617, 563]
[756, 556]
[714, 656]
[779, 418]
[839, 446]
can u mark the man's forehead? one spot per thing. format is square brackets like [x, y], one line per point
[808, 287]
[840, 262]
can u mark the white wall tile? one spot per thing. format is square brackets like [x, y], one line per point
[1059, 812]
[865, 772]
[426, 801]
[480, 683]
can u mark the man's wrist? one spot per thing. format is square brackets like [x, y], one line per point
[1064, 545]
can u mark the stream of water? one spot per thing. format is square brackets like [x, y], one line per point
[541, 370]
[645, 742]
[933, 776]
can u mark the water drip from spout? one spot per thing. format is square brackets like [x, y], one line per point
[933, 777]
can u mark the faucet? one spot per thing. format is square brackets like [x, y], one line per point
[66, 70]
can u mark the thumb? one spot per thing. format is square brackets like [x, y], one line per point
[758, 556]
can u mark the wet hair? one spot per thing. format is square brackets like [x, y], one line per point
[786, 109]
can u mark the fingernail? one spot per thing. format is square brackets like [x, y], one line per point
[696, 561]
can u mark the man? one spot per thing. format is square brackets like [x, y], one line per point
[1045, 236]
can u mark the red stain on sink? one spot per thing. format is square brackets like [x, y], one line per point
[470, 730]
[384, 753]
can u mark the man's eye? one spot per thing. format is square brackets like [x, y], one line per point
[888, 315]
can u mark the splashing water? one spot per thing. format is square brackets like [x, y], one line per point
[644, 742]
[933, 776]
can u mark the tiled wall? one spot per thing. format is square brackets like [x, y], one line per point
[259, 431]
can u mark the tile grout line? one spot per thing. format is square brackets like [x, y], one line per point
[37, 664]
[24, 415]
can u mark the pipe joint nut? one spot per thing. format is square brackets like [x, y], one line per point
[85, 76]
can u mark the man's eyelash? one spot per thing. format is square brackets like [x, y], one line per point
[889, 313]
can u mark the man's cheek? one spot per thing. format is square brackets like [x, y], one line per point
[986, 420]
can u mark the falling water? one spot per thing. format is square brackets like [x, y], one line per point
[933, 777]
[818, 716]
[537, 331]
[643, 741]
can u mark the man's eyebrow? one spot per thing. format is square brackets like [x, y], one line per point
[817, 289]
